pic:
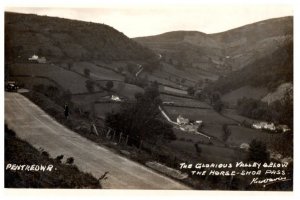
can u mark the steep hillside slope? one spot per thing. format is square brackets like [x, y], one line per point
[269, 71]
[62, 39]
[222, 52]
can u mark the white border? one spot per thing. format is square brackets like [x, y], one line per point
[149, 194]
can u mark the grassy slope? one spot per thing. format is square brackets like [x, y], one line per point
[73, 40]
[65, 175]
[75, 83]
[241, 135]
[184, 101]
[245, 91]
[96, 72]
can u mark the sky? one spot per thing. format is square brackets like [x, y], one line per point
[151, 19]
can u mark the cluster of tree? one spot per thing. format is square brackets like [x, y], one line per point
[53, 92]
[258, 151]
[141, 119]
[278, 111]
[215, 100]
[227, 132]
[90, 85]
[139, 81]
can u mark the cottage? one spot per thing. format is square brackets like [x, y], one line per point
[264, 125]
[115, 98]
[34, 57]
[182, 121]
[37, 59]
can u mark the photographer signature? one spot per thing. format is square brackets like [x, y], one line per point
[268, 181]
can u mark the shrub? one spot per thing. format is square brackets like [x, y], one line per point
[59, 158]
[70, 160]
[109, 85]
[87, 72]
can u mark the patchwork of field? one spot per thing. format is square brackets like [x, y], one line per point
[74, 83]
[172, 71]
[160, 79]
[123, 89]
[184, 101]
[174, 90]
[212, 121]
[96, 72]
[29, 81]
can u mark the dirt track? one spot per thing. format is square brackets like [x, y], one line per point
[35, 126]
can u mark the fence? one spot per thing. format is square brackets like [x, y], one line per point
[142, 146]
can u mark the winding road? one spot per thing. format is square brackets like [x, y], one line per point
[33, 125]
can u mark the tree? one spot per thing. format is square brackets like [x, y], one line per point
[216, 96]
[218, 105]
[70, 65]
[258, 151]
[87, 72]
[190, 91]
[183, 80]
[109, 85]
[140, 120]
[89, 86]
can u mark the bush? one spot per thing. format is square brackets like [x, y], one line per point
[59, 158]
[218, 106]
[89, 86]
[109, 85]
[70, 160]
[258, 151]
[190, 91]
[198, 149]
[87, 72]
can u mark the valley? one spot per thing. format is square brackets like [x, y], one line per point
[105, 76]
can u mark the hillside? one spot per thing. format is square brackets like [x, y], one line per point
[221, 52]
[267, 72]
[64, 39]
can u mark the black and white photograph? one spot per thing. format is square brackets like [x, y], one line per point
[182, 96]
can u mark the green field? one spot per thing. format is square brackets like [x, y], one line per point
[85, 100]
[234, 115]
[29, 82]
[246, 91]
[241, 135]
[96, 72]
[103, 108]
[123, 89]
[209, 153]
[68, 80]
[183, 101]
[212, 121]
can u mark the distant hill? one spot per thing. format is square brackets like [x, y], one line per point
[221, 52]
[257, 56]
[63, 39]
[270, 71]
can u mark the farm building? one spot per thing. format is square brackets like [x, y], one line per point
[283, 128]
[182, 121]
[264, 125]
[37, 59]
[115, 98]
